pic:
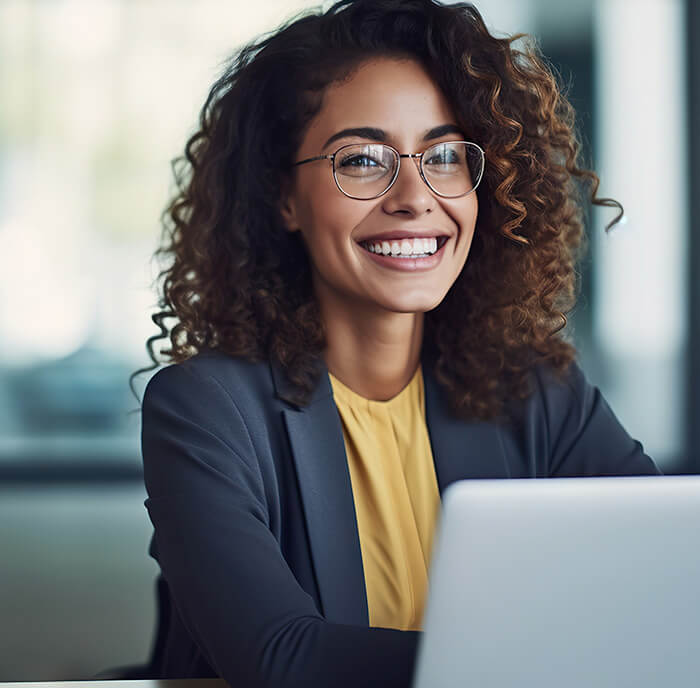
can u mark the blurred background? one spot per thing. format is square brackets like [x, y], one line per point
[96, 98]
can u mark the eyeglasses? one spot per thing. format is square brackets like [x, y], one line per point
[368, 170]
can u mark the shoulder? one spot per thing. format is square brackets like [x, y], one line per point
[555, 390]
[211, 393]
[237, 378]
[574, 430]
[552, 391]
[561, 401]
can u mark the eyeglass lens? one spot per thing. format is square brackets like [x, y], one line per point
[366, 170]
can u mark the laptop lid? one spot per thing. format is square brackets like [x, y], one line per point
[575, 582]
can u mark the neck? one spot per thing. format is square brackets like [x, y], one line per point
[373, 353]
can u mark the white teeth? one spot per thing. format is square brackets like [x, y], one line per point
[404, 247]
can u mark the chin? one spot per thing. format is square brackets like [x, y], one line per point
[422, 305]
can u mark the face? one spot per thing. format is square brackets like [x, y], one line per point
[399, 99]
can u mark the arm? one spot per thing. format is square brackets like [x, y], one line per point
[585, 436]
[233, 588]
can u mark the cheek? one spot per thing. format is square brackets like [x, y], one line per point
[470, 212]
[464, 215]
[330, 218]
[328, 225]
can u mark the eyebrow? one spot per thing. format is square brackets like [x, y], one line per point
[375, 134]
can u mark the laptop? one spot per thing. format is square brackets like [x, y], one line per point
[564, 583]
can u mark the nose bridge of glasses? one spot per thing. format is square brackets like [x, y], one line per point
[416, 158]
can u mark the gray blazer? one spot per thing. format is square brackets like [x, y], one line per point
[254, 521]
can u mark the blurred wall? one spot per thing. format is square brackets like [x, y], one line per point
[97, 97]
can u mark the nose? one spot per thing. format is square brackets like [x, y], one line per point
[409, 193]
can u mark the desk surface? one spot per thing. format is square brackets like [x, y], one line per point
[159, 683]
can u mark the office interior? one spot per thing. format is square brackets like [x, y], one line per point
[97, 97]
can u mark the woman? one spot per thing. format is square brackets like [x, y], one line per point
[372, 251]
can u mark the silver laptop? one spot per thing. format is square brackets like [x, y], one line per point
[564, 583]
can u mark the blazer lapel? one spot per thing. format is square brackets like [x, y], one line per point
[318, 448]
[461, 449]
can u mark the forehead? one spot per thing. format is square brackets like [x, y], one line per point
[396, 95]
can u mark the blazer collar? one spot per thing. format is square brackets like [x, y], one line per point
[284, 389]
[461, 450]
[318, 449]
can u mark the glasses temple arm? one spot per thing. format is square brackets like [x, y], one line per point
[318, 157]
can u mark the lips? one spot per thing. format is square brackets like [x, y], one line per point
[410, 263]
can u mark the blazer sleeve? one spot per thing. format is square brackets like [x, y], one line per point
[585, 437]
[236, 594]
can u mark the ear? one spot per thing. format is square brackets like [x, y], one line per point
[288, 207]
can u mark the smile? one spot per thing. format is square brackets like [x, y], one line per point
[418, 247]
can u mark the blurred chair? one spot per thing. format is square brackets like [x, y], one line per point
[150, 670]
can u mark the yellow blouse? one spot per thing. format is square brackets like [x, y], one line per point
[396, 496]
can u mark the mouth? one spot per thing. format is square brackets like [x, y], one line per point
[420, 247]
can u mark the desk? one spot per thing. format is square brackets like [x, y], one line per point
[157, 683]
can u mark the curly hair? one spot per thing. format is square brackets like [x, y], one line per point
[239, 283]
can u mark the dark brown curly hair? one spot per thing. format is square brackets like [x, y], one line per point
[239, 283]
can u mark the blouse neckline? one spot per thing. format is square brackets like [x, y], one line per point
[346, 395]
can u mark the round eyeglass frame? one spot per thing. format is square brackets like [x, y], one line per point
[414, 156]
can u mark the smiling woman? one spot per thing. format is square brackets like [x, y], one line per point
[372, 252]
[372, 303]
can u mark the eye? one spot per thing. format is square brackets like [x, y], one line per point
[443, 156]
[364, 162]
[355, 160]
